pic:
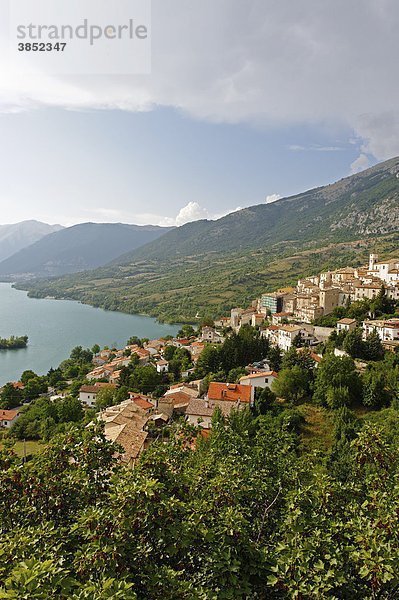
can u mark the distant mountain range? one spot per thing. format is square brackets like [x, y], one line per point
[19, 235]
[210, 266]
[78, 248]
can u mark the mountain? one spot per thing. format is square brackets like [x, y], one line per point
[210, 266]
[74, 249]
[19, 235]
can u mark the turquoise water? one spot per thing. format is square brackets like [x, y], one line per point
[55, 327]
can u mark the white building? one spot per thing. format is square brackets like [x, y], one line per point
[346, 325]
[8, 417]
[387, 330]
[262, 380]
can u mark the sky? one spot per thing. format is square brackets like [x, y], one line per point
[246, 102]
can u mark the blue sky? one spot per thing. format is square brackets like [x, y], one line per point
[144, 167]
[245, 103]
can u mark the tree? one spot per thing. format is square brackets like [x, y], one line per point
[303, 359]
[375, 393]
[297, 342]
[336, 372]
[264, 400]
[10, 397]
[121, 394]
[374, 350]
[169, 352]
[292, 384]
[274, 358]
[208, 361]
[206, 322]
[105, 397]
[353, 343]
[70, 410]
[34, 387]
[338, 397]
[96, 349]
[27, 375]
[145, 379]
[134, 341]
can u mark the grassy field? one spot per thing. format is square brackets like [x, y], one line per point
[31, 448]
[316, 432]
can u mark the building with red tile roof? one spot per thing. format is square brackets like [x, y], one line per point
[8, 417]
[231, 392]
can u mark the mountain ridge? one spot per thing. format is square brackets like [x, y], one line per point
[16, 236]
[210, 266]
[77, 248]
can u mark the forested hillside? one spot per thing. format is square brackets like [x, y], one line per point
[209, 266]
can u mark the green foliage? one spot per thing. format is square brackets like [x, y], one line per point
[13, 342]
[105, 397]
[336, 373]
[292, 384]
[10, 397]
[353, 343]
[44, 418]
[209, 267]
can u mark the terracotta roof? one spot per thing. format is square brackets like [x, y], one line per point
[346, 321]
[89, 389]
[263, 374]
[229, 391]
[180, 399]
[143, 403]
[316, 357]
[19, 385]
[8, 415]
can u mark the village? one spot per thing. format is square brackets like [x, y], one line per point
[286, 319]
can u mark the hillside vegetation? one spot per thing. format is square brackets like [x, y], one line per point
[209, 266]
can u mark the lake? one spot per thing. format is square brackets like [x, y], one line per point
[55, 327]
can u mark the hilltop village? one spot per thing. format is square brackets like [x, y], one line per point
[139, 390]
[275, 427]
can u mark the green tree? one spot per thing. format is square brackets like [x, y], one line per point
[353, 343]
[96, 349]
[374, 350]
[169, 352]
[275, 358]
[27, 375]
[105, 397]
[292, 384]
[338, 397]
[264, 401]
[10, 397]
[375, 392]
[336, 372]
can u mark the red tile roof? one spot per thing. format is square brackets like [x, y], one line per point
[143, 403]
[229, 391]
[8, 415]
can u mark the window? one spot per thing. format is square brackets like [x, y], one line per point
[266, 380]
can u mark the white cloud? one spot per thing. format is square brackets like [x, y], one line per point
[272, 198]
[360, 164]
[315, 148]
[261, 63]
[191, 212]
